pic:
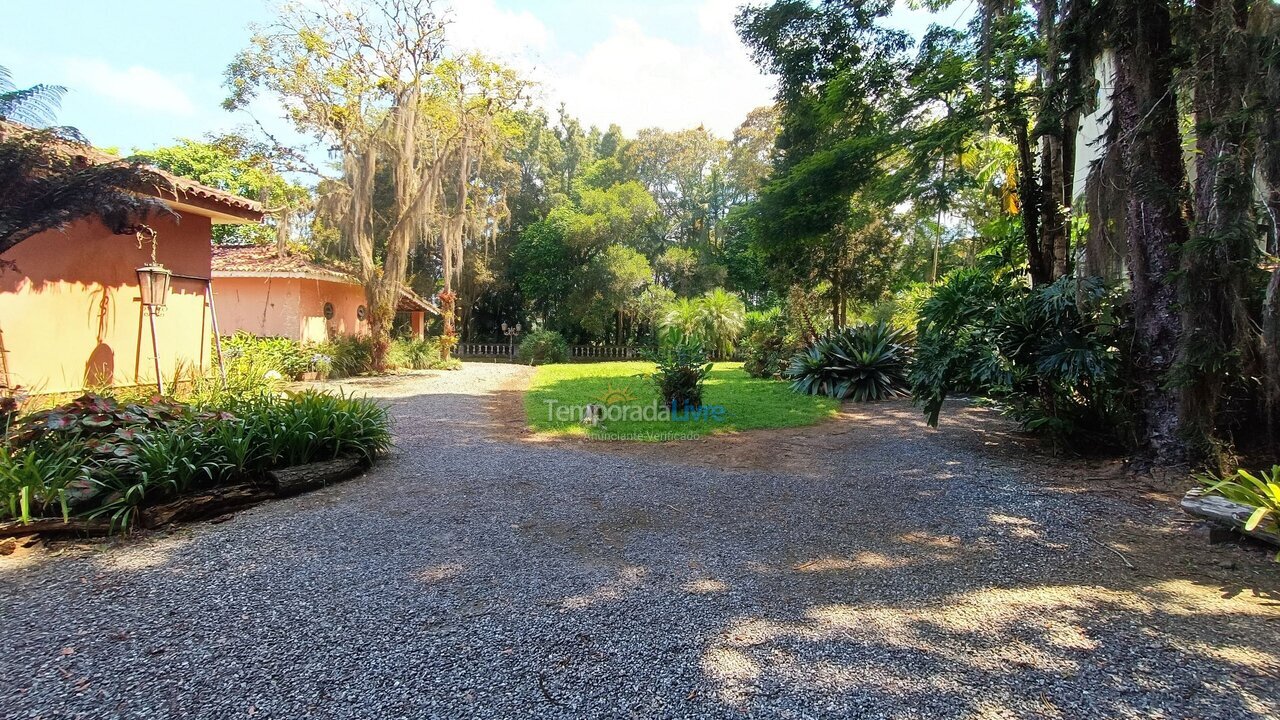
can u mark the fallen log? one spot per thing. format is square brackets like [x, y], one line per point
[1227, 513]
[300, 478]
[206, 504]
[55, 526]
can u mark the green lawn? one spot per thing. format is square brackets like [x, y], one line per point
[559, 392]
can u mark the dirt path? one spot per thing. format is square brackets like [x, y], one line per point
[866, 567]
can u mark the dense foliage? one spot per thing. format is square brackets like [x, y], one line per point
[98, 458]
[1050, 356]
[863, 362]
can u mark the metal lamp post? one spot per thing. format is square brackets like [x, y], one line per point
[511, 332]
[153, 286]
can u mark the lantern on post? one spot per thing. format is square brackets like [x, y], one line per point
[153, 287]
[153, 283]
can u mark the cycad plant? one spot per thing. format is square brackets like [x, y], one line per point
[863, 362]
[716, 319]
[723, 317]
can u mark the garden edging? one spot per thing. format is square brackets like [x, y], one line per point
[280, 483]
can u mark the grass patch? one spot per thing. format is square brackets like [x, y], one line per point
[749, 403]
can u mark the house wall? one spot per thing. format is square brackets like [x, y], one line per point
[346, 299]
[266, 307]
[288, 307]
[71, 315]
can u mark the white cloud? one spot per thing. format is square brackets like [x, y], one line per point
[630, 77]
[136, 86]
[509, 35]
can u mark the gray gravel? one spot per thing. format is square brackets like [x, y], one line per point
[910, 575]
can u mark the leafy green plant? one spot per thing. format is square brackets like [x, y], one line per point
[349, 355]
[768, 344]
[682, 368]
[419, 354]
[716, 319]
[723, 317]
[1050, 357]
[1260, 493]
[249, 353]
[543, 347]
[94, 457]
[864, 362]
[38, 477]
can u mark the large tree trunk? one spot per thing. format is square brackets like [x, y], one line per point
[1266, 25]
[1030, 204]
[1146, 109]
[1216, 264]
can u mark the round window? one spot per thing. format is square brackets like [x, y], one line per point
[328, 311]
[360, 313]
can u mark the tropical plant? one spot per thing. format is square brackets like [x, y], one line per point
[349, 355]
[1260, 493]
[1049, 356]
[36, 478]
[35, 106]
[682, 367]
[542, 347]
[722, 317]
[419, 354]
[245, 353]
[680, 319]
[864, 362]
[45, 183]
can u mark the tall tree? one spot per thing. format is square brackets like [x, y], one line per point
[1146, 109]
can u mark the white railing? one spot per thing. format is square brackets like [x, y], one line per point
[576, 352]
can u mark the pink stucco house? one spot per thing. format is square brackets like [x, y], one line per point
[261, 293]
[71, 315]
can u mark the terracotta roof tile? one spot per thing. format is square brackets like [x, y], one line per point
[263, 261]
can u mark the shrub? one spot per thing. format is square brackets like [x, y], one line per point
[864, 362]
[767, 346]
[247, 352]
[1050, 356]
[419, 355]
[349, 355]
[682, 367]
[716, 319]
[543, 347]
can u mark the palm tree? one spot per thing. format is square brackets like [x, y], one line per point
[681, 318]
[50, 177]
[36, 106]
[723, 318]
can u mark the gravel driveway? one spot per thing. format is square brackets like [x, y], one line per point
[904, 574]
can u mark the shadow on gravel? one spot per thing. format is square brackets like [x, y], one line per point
[863, 568]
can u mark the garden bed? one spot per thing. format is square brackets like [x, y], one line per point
[95, 465]
[216, 502]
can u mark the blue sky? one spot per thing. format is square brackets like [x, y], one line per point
[144, 72]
